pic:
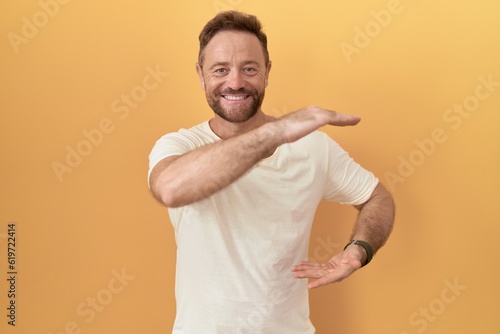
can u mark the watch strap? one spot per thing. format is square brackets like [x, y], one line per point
[366, 246]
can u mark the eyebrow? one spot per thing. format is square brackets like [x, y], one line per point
[225, 63]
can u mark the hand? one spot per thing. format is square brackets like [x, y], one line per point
[335, 270]
[306, 120]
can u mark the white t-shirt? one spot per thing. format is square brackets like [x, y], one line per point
[235, 248]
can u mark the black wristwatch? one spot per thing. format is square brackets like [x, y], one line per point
[366, 246]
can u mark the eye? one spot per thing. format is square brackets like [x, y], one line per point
[220, 71]
[250, 70]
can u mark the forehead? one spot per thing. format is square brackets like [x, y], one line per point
[234, 45]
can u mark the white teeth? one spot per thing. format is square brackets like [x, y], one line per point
[235, 97]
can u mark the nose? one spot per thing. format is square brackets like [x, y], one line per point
[235, 80]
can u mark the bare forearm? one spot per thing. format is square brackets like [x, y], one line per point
[204, 171]
[375, 219]
[182, 180]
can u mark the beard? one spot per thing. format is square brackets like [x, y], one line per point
[237, 114]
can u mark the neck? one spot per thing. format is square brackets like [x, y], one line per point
[225, 129]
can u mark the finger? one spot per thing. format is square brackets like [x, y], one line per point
[306, 265]
[328, 278]
[314, 273]
[343, 119]
[333, 117]
[318, 283]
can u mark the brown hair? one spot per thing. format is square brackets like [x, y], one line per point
[232, 20]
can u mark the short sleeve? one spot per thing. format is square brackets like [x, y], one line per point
[168, 145]
[347, 182]
[180, 142]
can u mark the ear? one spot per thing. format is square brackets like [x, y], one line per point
[268, 69]
[200, 76]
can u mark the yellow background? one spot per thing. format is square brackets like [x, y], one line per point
[78, 228]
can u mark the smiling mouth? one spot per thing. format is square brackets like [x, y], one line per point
[235, 97]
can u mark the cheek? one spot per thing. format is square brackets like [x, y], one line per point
[262, 78]
[259, 83]
[212, 82]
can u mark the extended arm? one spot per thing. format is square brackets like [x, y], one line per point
[373, 225]
[182, 180]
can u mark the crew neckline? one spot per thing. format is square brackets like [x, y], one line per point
[206, 124]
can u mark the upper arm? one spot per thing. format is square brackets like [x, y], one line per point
[347, 182]
[378, 193]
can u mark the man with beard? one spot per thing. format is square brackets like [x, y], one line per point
[242, 189]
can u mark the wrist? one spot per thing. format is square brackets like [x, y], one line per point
[276, 128]
[364, 248]
[262, 141]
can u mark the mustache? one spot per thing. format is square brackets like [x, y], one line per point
[242, 91]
